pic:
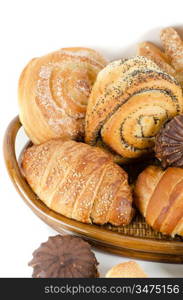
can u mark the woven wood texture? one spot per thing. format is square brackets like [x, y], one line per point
[139, 228]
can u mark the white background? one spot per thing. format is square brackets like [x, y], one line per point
[32, 28]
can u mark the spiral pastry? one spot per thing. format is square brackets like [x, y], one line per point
[129, 102]
[54, 91]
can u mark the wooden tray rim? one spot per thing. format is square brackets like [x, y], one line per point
[97, 233]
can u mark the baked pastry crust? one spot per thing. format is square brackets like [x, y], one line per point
[53, 93]
[170, 59]
[154, 53]
[130, 101]
[173, 46]
[79, 181]
[158, 196]
[130, 269]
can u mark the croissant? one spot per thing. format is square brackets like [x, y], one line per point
[53, 93]
[159, 197]
[129, 102]
[171, 59]
[79, 181]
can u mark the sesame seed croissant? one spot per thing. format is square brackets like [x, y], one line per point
[53, 93]
[129, 102]
[79, 181]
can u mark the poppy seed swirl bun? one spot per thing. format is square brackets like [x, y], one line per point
[130, 101]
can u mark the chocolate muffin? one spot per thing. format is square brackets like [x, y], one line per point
[64, 257]
[169, 143]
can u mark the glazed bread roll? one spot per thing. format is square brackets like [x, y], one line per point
[170, 59]
[159, 197]
[53, 93]
[129, 269]
[129, 102]
[79, 181]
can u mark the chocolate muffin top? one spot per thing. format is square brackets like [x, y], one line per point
[64, 257]
[169, 143]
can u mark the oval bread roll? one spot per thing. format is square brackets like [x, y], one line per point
[159, 197]
[79, 181]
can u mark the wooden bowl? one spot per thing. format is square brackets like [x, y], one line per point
[136, 240]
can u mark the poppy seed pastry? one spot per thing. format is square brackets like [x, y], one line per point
[130, 101]
[64, 257]
[169, 143]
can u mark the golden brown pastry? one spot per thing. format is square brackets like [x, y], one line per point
[173, 46]
[54, 90]
[159, 197]
[79, 181]
[130, 101]
[130, 269]
[118, 159]
[171, 59]
[154, 53]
